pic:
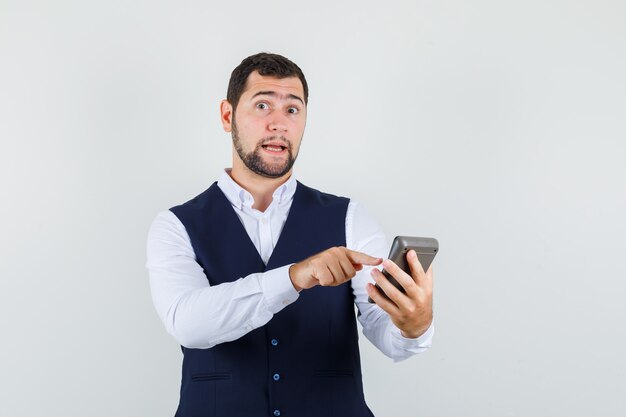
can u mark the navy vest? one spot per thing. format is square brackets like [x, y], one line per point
[305, 361]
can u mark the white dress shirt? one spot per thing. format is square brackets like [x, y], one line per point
[199, 315]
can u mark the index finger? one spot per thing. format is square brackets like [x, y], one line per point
[360, 258]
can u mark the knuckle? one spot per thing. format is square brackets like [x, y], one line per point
[424, 299]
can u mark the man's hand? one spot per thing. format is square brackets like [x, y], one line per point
[411, 312]
[332, 267]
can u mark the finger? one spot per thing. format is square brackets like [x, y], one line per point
[323, 275]
[429, 273]
[336, 270]
[362, 258]
[416, 267]
[428, 281]
[382, 301]
[404, 279]
[401, 300]
[348, 268]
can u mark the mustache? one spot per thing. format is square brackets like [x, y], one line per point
[281, 139]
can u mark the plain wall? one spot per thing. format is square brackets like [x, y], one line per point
[496, 126]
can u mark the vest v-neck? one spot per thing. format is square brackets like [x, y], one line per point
[243, 233]
[292, 217]
[238, 226]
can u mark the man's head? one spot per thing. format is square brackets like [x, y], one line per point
[265, 111]
[270, 65]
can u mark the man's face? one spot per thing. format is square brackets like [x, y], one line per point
[268, 124]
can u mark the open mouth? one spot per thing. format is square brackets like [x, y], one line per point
[274, 148]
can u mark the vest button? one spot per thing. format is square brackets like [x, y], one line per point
[276, 377]
[276, 413]
[274, 342]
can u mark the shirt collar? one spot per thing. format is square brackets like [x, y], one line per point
[240, 197]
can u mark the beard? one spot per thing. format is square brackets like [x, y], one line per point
[254, 160]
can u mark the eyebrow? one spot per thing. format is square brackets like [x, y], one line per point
[274, 94]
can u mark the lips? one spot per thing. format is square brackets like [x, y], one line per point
[274, 147]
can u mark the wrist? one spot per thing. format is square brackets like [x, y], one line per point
[411, 335]
[414, 334]
[291, 277]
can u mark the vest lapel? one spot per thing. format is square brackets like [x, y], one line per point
[236, 227]
[293, 219]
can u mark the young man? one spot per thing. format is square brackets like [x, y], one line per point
[257, 277]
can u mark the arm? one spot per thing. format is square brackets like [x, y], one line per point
[197, 314]
[364, 234]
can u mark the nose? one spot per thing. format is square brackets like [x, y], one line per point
[277, 123]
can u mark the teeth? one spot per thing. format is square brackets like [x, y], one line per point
[275, 149]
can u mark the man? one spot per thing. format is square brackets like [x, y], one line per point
[257, 276]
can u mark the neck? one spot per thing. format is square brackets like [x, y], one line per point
[261, 188]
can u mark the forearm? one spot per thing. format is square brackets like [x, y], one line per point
[204, 317]
[197, 314]
[364, 234]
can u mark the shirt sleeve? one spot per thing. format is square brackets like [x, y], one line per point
[197, 314]
[364, 234]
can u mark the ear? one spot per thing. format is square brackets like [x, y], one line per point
[226, 115]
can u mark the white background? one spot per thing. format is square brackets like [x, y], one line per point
[496, 126]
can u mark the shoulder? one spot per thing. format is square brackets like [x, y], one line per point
[325, 199]
[360, 212]
[166, 233]
[362, 226]
[198, 202]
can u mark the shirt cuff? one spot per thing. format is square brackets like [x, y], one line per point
[278, 290]
[408, 344]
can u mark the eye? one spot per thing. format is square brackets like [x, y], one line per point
[293, 110]
[262, 106]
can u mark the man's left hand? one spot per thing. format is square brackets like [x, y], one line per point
[411, 312]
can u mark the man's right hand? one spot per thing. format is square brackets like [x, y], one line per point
[331, 267]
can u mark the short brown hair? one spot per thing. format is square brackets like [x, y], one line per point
[266, 64]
